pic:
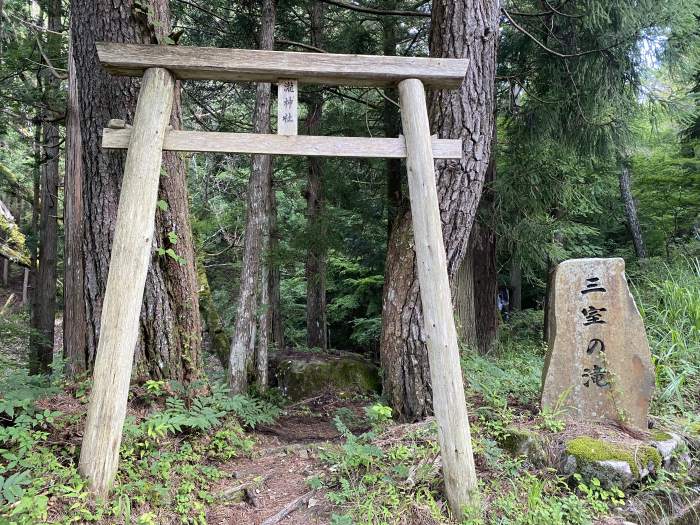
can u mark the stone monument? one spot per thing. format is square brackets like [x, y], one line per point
[598, 366]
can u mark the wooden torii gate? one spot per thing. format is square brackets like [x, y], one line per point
[150, 135]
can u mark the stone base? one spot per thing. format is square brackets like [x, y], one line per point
[300, 375]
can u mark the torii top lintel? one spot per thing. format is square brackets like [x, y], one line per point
[209, 63]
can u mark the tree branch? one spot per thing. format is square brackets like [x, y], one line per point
[48, 64]
[560, 13]
[548, 49]
[300, 44]
[379, 12]
[204, 10]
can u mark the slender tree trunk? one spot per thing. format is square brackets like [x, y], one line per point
[461, 29]
[74, 322]
[34, 227]
[264, 316]
[390, 116]
[44, 311]
[5, 272]
[170, 328]
[276, 324]
[316, 325]
[241, 359]
[478, 305]
[218, 339]
[631, 211]
[25, 287]
[485, 287]
[516, 283]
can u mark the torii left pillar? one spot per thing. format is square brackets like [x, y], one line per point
[131, 254]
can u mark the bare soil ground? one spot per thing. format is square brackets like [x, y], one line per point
[285, 456]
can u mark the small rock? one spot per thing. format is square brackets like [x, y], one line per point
[525, 443]
[613, 464]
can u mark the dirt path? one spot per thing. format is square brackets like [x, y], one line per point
[285, 457]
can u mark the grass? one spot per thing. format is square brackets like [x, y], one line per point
[172, 454]
[668, 297]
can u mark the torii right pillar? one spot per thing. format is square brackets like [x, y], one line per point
[449, 403]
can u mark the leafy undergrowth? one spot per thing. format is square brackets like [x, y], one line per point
[169, 458]
[180, 447]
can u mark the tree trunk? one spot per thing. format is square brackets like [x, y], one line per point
[483, 258]
[44, 310]
[461, 29]
[316, 324]
[631, 211]
[478, 305]
[516, 283]
[170, 328]
[241, 359]
[275, 308]
[5, 272]
[485, 287]
[218, 339]
[74, 322]
[390, 117]
[463, 285]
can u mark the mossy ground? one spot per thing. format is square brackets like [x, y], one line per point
[589, 450]
[660, 435]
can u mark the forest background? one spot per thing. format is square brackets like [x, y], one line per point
[583, 137]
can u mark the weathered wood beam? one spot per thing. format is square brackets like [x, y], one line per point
[233, 65]
[449, 402]
[131, 254]
[251, 143]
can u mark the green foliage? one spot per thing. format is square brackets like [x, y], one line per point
[378, 415]
[532, 501]
[669, 300]
[598, 497]
[373, 485]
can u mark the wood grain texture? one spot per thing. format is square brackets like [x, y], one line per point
[252, 143]
[233, 65]
[287, 107]
[131, 253]
[449, 403]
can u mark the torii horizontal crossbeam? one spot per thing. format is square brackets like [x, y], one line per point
[209, 63]
[305, 145]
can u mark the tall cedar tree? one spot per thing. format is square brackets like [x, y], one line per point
[316, 256]
[170, 328]
[460, 29]
[44, 284]
[242, 355]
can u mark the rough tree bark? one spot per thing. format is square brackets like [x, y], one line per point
[460, 29]
[478, 305]
[74, 322]
[315, 271]
[390, 116]
[241, 359]
[275, 310]
[631, 210]
[44, 307]
[170, 329]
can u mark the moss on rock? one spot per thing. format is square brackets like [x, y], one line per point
[588, 450]
[660, 435]
[300, 376]
[519, 442]
[12, 242]
[695, 428]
